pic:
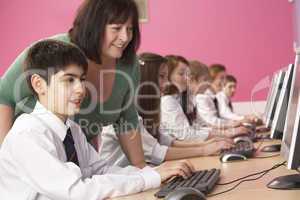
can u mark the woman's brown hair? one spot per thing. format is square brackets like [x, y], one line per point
[90, 22]
[148, 98]
[172, 62]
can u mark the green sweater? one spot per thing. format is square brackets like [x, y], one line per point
[118, 109]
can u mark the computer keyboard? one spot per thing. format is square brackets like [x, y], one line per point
[203, 180]
[242, 148]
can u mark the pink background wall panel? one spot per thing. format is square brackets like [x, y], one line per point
[253, 38]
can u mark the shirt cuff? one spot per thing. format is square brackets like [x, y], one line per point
[158, 154]
[151, 178]
[166, 139]
[203, 135]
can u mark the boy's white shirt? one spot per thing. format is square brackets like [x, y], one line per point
[154, 150]
[175, 122]
[206, 110]
[224, 109]
[33, 164]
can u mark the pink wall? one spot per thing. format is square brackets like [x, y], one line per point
[253, 38]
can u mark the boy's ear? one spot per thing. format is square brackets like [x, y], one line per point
[38, 84]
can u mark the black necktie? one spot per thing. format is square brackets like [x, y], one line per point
[216, 106]
[230, 106]
[70, 148]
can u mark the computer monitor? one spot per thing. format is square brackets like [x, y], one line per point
[275, 98]
[282, 105]
[290, 149]
[269, 97]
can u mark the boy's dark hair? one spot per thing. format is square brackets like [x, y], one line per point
[215, 69]
[47, 57]
[230, 78]
[89, 26]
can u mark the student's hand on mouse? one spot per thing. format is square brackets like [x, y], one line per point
[254, 119]
[175, 168]
[216, 147]
[237, 131]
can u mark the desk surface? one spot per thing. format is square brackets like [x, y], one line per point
[229, 171]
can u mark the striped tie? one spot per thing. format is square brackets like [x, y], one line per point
[70, 148]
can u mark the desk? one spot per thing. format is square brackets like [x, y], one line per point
[254, 190]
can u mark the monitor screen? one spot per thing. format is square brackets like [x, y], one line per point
[282, 105]
[291, 137]
[274, 101]
[270, 96]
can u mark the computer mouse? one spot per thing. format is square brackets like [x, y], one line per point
[271, 148]
[232, 157]
[185, 193]
[242, 139]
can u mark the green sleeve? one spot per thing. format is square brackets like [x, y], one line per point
[13, 86]
[129, 118]
[14, 90]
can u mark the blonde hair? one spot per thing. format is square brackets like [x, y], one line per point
[198, 70]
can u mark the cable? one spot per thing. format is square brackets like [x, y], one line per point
[235, 186]
[245, 180]
[254, 174]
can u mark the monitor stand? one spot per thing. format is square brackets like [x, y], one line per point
[271, 148]
[289, 182]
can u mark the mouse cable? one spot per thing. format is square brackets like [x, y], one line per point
[245, 180]
[254, 174]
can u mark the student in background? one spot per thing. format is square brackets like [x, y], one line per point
[207, 104]
[158, 146]
[177, 110]
[199, 82]
[225, 105]
[53, 159]
[107, 31]
[177, 113]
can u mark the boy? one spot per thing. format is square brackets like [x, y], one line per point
[224, 99]
[225, 105]
[46, 155]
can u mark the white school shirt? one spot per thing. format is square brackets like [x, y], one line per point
[33, 164]
[224, 109]
[175, 122]
[154, 150]
[207, 113]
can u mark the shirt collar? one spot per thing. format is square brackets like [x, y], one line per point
[51, 121]
[209, 92]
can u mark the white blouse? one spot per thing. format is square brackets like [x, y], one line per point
[224, 109]
[207, 113]
[175, 122]
[154, 150]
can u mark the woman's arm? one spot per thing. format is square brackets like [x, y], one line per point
[6, 116]
[131, 144]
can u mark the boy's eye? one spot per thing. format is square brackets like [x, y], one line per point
[70, 80]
